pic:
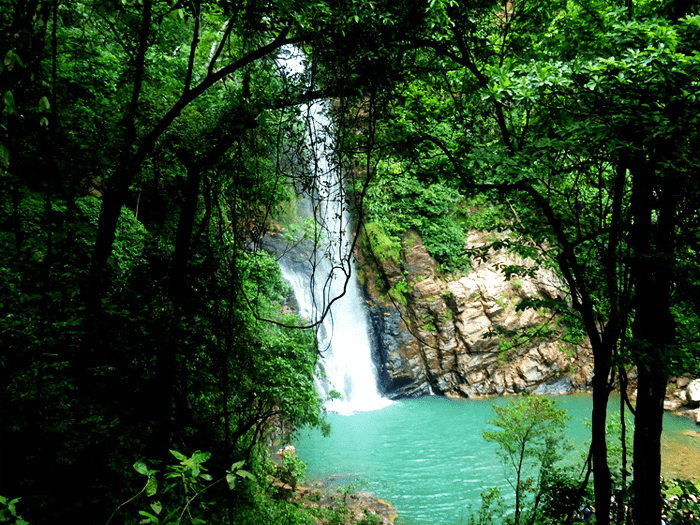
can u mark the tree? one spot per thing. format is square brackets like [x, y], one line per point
[126, 225]
[529, 437]
[145, 149]
[583, 116]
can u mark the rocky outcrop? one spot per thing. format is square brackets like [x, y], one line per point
[683, 397]
[359, 507]
[327, 501]
[464, 337]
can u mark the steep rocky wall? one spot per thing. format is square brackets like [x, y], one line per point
[460, 337]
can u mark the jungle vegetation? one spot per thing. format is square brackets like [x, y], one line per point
[148, 146]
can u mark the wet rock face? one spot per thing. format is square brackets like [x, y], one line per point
[464, 337]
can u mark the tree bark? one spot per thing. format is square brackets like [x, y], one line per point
[653, 329]
[602, 483]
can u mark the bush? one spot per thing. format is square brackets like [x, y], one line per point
[399, 202]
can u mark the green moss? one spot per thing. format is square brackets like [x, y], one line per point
[384, 248]
[398, 297]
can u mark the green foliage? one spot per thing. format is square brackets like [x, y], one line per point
[382, 245]
[294, 467]
[681, 501]
[8, 512]
[370, 519]
[492, 509]
[562, 495]
[530, 441]
[481, 215]
[135, 311]
[187, 492]
[399, 290]
[398, 201]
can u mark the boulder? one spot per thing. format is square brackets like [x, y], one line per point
[672, 404]
[682, 382]
[693, 391]
[694, 415]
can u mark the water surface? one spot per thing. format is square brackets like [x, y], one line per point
[428, 458]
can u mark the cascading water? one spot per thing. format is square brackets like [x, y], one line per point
[322, 273]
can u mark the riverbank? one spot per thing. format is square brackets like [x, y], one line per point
[344, 505]
[331, 501]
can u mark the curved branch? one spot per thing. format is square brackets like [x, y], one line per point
[124, 176]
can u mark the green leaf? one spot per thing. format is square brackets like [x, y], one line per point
[200, 457]
[44, 104]
[141, 468]
[231, 480]
[44, 121]
[11, 58]
[237, 465]
[150, 518]
[245, 474]
[151, 486]
[157, 507]
[9, 101]
[179, 456]
[4, 156]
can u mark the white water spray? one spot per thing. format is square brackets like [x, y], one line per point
[343, 336]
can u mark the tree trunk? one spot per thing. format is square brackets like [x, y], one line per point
[602, 483]
[169, 406]
[651, 391]
[653, 329]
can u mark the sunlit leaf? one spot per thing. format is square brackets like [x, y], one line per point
[9, 101]
[151, 486]
[178, 455]
[245, 474]
[200, 457]
[141, 468]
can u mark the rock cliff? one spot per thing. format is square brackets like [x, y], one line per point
[464, 337]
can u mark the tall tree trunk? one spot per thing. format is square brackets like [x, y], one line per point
[653, 331]
[117, 190]
[602, 483]
[651, 390]
[171, 408]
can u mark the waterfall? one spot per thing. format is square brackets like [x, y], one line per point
[321, 270]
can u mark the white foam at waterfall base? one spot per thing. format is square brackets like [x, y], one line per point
[346, 365]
